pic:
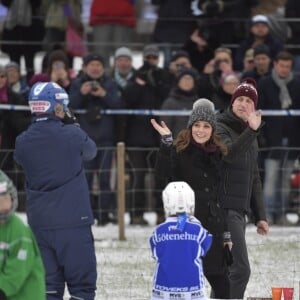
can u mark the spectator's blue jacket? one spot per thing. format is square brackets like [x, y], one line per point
[178, 256]
[51, 155]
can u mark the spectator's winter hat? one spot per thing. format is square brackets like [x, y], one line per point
[93, 56]
[203, 110]
[189, 72]
[13, 65]
[151, 50]
[228, 77]
[178, 54]
[259, 19]
[247, 88]
[43, 97]
[123, 51]
[7, 189]
[262, 49]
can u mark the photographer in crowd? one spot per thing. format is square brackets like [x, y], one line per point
[93, 90]
[147, 92]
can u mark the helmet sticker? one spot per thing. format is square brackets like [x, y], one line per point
[39, 87]
[39, 106]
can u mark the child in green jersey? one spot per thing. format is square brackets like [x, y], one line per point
[22, 275]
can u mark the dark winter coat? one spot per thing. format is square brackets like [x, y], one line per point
[278, 127]
[292, 10]
[101, 128]
[253, 74]
[275, 45]
[201, 171]
[139, 131]
[241, 188]
[51, 155]
[175, 21]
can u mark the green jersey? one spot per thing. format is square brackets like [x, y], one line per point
[22, 274]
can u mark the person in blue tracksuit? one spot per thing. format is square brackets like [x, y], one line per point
[178, 246]
[51, 152]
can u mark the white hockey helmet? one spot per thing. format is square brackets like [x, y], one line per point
[178, 197]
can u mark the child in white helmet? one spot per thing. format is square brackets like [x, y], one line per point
[178, 246]
[22, 274]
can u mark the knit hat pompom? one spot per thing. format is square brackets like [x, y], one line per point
[247, 88]
[203, 110]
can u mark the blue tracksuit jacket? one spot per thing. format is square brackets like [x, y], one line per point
[179, 272]
[51, 155]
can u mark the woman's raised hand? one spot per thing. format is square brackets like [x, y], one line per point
[161, 128]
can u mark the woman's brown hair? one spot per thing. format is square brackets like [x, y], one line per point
[184, 138]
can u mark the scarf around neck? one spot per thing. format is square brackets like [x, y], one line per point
[284, 95]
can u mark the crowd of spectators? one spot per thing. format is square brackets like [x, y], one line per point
[193, 39]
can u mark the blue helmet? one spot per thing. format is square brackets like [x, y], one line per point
[44, 96]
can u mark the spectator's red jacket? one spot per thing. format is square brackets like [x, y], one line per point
[113, 12]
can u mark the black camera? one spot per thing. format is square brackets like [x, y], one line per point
[95, 85]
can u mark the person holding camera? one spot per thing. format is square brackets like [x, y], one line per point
[148, 91]
[93, 90]
[51, 154]
[213, 70]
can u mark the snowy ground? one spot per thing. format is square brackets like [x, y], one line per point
[125, 267]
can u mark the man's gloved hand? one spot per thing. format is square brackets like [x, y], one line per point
[2, 295]
[70, 118]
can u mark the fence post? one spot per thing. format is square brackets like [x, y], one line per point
[121, 189]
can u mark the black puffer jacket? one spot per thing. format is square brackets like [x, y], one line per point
[241, 187]
[201, 171]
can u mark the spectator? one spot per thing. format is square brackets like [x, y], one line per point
[123, 73]
[201, 46]
[195, 158]
[248, 61]
[147, 92]
[12, 123]
[259, 34]
[15, 80]
[57, 70]
[262, 63]
[23, 31]
[174, 25]
[113, 23]
[238, 127]
[177, 257]
[229, 81]
[181, 98]
[58, 15]
[180, 61]
[279, 90]
[22, 274]
[213, 70]
[51, 154]
[93, 90]
[221, 16]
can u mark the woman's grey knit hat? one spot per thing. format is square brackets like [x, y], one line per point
[203, 110]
